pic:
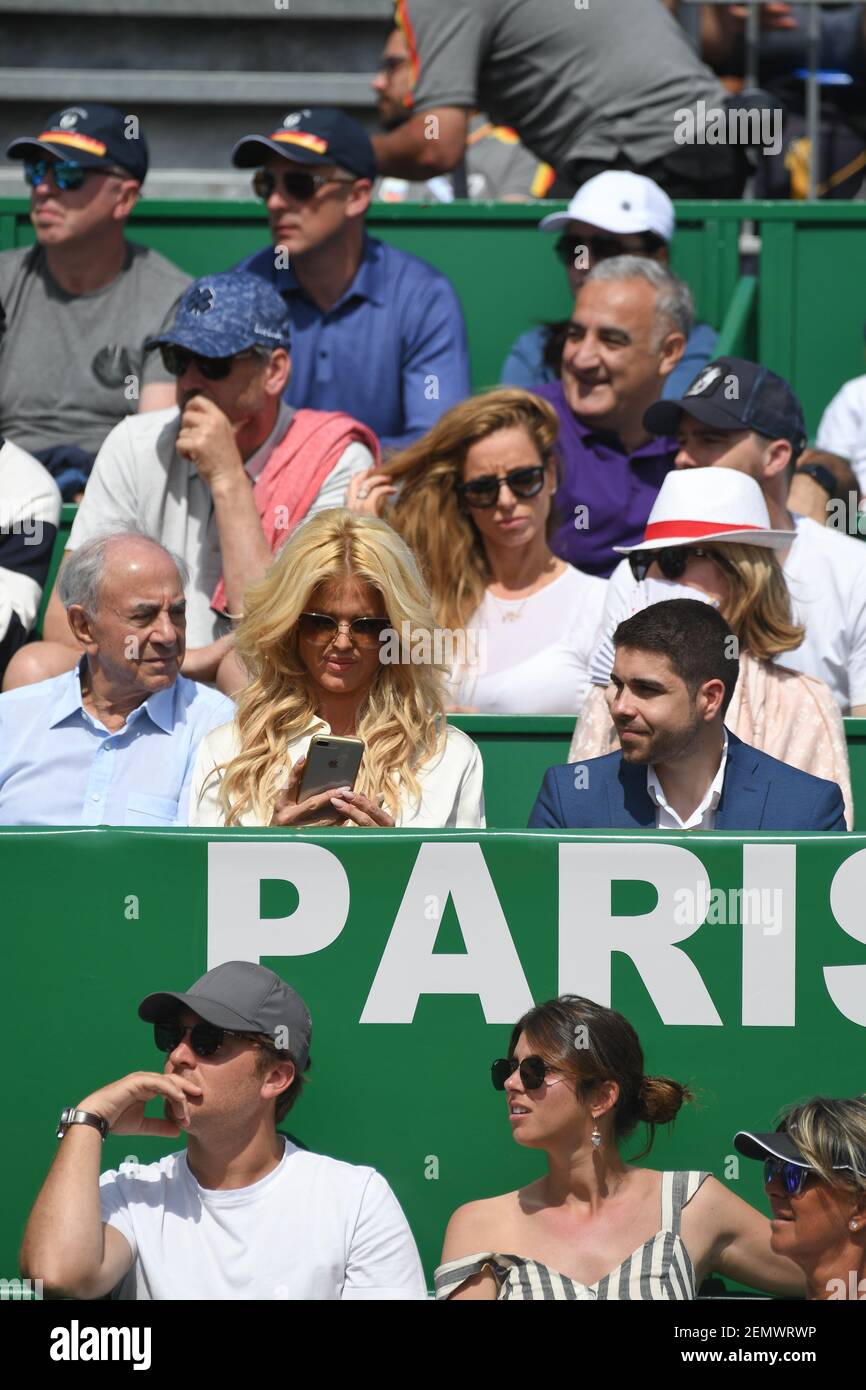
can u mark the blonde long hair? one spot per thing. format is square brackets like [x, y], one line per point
[759, 607]
[427, 511]
[402, 718]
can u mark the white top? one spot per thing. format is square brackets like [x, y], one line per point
[843, 427]
[704, 816]
[29, 515]
[825, 571]
[531, 655]
[452, 793]
[313, 1228]
[140, 480]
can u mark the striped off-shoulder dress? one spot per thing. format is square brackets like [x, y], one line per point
[659, 1269]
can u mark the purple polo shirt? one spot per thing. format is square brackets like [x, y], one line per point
[617, 489]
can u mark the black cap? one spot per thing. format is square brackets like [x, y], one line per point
[243, 996]
[779, 1144]
[313, 135]
[92, 135]
[732, 393]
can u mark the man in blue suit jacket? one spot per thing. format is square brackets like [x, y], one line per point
[679, 769]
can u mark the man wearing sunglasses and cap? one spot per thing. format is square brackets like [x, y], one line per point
[82, 301]
[376, 332]
[222, 477]
[738, 414]
[242, 1212]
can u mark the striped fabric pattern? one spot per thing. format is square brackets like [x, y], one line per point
[660, 1269]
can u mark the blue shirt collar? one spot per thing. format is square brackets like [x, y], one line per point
[159, 706]
[369, 281]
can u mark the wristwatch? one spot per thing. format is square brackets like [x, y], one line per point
[71, 1116]
[819, 474]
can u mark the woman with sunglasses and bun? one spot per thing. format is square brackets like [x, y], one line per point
[709, 537]
[338, 639]
[596, 1226]
[815, 1179]
[473, 499]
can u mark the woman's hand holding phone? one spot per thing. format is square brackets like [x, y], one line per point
[358, 809]
[313, 810]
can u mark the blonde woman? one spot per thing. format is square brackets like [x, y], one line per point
[322, 638]
[815, 1179]
[473, 499]
[735, 566]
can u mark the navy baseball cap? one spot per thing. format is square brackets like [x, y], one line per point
[92, 135]
[313, 135]
[732, 393]
[220, 315]
[245, 997]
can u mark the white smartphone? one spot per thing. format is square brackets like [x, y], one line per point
[331, 762]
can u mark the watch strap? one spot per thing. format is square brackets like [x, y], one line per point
[71, 1116]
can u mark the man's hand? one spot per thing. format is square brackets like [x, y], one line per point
[207, 439]
[122, 1103]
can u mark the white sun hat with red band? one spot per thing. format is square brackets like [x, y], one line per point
[708, 504]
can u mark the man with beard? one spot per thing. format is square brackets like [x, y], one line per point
[679, 768]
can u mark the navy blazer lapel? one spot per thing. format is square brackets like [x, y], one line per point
[628, 800]
[744, 795]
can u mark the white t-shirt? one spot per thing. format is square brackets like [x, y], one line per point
[826, 574]
[532, 655]
[451, 782]
[843, 426]
[314, 1228]
[140, 480]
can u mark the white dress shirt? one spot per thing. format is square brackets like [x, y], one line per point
[451, 782]
[703, 817]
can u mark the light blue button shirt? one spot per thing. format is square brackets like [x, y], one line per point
[60, 766]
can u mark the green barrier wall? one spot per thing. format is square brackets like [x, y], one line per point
[800, 318]
[415, 954]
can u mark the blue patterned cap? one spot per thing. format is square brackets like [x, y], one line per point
[220, 315]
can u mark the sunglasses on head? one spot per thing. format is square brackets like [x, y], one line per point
[532, 1072]
[204, 1038]
[671, 561]
[66, 173]
[321, 628]
[484, 491]
[176, 360]
[301, 187]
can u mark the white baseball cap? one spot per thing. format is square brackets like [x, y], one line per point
[617, 201]
[708, 504]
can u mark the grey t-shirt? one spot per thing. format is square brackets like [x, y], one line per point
[497, 166]
[575, 83]
[68, 361]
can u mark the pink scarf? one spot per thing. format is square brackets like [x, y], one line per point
[293, 476]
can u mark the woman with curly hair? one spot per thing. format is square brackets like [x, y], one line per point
[596, 1226]
[338, 638]
[473, 499]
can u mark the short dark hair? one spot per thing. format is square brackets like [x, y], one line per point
[692, 635]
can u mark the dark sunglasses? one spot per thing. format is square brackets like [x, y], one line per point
[484, 492]
[532, 1072]
[176, 360]
[793, 1177]
[66, 173]
[321, 628]
[601, 248]
[204, 1038]
[301, 187]
[671, 561]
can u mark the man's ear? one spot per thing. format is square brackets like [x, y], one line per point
[127, 199]
[278, 371]
[672, 348]
[81, 624]
[777, 457]
[713, 692]
[360, 198]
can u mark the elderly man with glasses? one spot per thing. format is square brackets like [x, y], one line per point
[83, 299]
[222, 477]
[376, 332]
[240, 1212]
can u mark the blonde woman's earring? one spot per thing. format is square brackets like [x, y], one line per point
[596, 1135]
